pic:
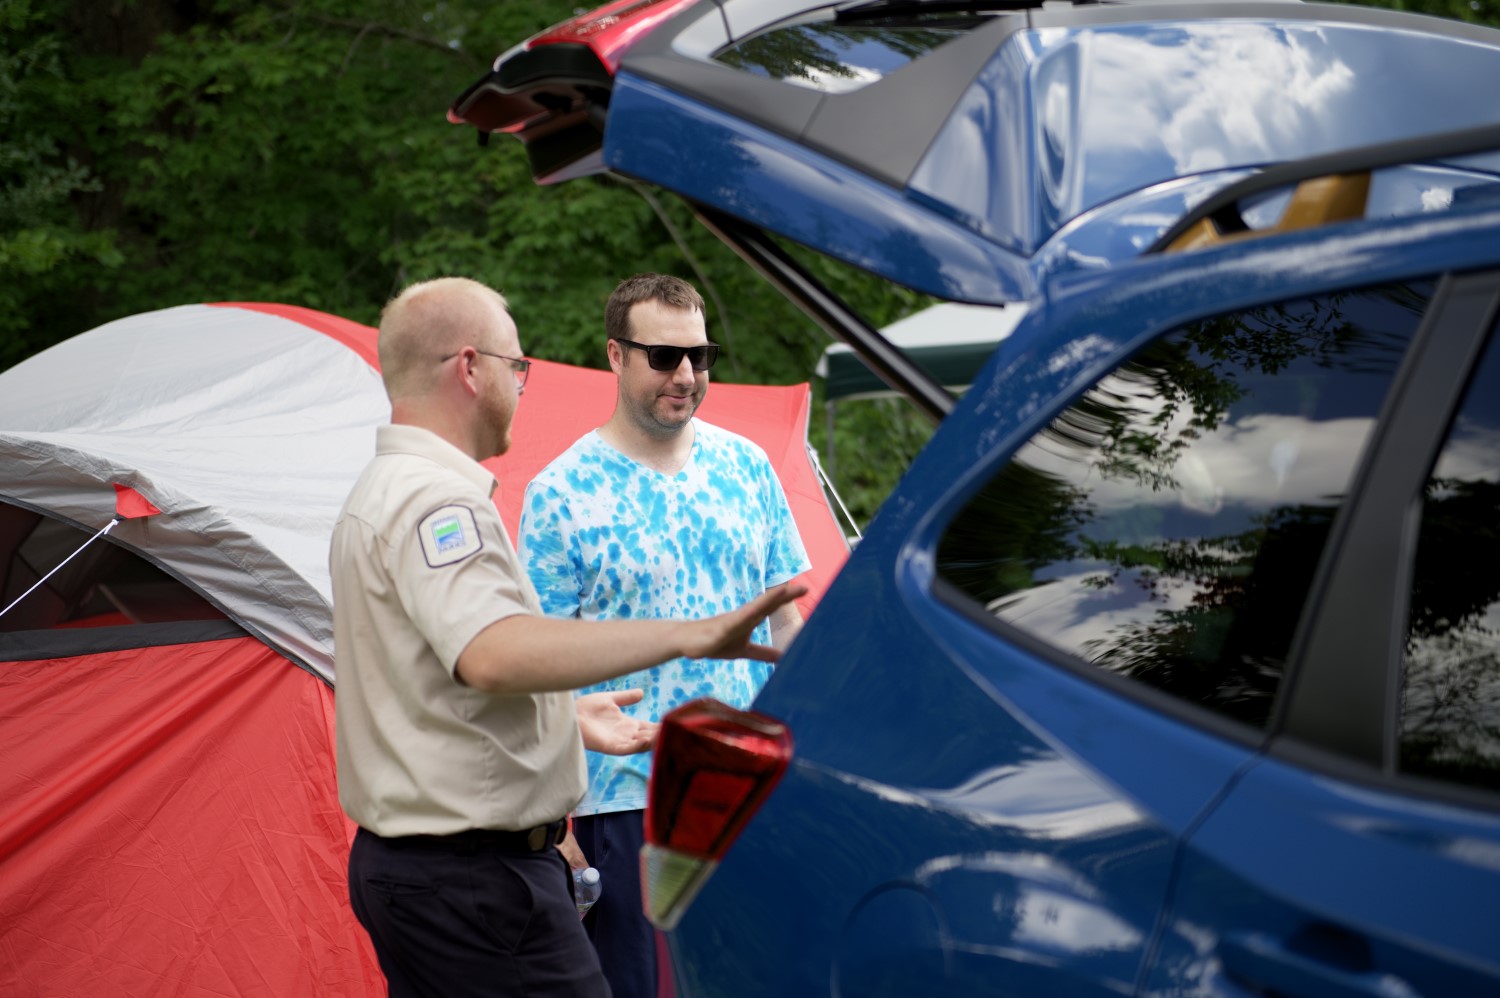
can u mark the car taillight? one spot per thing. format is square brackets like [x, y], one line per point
[552, 90]
[612, 29]
[713, 769]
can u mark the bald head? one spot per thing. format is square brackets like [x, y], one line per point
[432, 320]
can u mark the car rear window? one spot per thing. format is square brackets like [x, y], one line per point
[1166, 526]
[832, 57]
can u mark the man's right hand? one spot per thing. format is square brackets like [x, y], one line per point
[728, 634]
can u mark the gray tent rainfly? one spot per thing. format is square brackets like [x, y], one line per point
[184, 405]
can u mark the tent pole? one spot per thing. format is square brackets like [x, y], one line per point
[828, 408]
[107, 528]
[827, 482]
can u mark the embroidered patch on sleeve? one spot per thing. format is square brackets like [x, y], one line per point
[449, 534]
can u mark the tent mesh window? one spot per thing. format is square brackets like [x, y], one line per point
[103, 585]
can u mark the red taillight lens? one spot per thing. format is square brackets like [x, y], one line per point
[613, 28]
[551, 91]
[714, 767]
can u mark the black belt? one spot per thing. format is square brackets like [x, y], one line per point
[476, 840]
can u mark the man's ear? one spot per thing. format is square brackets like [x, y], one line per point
[616, 354]
[466, 365]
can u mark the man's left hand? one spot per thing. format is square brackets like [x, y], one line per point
[608, 729]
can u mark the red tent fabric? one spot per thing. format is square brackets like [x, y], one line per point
[169, 818]
[171, 826]
[562, 402]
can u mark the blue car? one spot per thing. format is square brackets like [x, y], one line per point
[1172, 665]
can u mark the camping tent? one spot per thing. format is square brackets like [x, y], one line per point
[169, 821]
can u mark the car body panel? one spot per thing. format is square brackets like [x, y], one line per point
[1315, 885]
[759, 176]
[953, 777]
[1058, 120]
[993, 861]
[969, 807]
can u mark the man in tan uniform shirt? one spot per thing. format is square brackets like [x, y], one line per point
[460, 749]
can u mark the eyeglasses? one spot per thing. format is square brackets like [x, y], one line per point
[520, 366]
[665, 358]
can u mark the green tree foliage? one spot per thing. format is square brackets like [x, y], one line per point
[44, 245]
[160, 152]
[1473, 11]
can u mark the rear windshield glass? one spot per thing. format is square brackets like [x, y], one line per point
[834, 58]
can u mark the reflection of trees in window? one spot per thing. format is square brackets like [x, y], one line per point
[1227, 647]
[1101, 524]
[1450, 715]
[1021, 523]
[1185, 386]
[815, 52]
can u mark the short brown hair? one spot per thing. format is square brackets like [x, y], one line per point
[430, 319]
[665, 288]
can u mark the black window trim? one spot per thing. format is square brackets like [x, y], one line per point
[1331, 698]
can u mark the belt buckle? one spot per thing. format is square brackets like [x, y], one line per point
[536, 839]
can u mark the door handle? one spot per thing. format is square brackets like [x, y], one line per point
[1326, 962]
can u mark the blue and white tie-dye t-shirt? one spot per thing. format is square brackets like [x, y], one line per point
[605, 538]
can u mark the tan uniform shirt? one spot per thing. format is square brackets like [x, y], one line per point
[421, 564]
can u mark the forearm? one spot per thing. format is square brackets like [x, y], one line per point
[786, 621]
[526, 654]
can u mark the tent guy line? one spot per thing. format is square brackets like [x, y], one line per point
[129, 504]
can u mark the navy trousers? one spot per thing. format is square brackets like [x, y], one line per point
[622, 936]
[450, 923]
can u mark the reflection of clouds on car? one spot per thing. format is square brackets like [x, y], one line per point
[1470, 454]
[1227, 96]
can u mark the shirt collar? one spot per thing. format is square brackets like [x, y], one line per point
[403, 438]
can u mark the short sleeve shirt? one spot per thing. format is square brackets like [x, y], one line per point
[421, 564]
[606, 538]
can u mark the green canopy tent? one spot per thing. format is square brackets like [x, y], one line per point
[949, 341]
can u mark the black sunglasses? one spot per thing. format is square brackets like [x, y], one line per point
[665, 358]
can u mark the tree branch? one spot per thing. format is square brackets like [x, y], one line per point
[365, 27]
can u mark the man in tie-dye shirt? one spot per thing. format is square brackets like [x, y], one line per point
[655, 514]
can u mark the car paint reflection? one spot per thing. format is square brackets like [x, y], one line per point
[1235, 96]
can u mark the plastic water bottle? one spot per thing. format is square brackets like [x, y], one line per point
[585, 889]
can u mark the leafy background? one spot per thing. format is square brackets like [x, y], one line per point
[161, 152]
